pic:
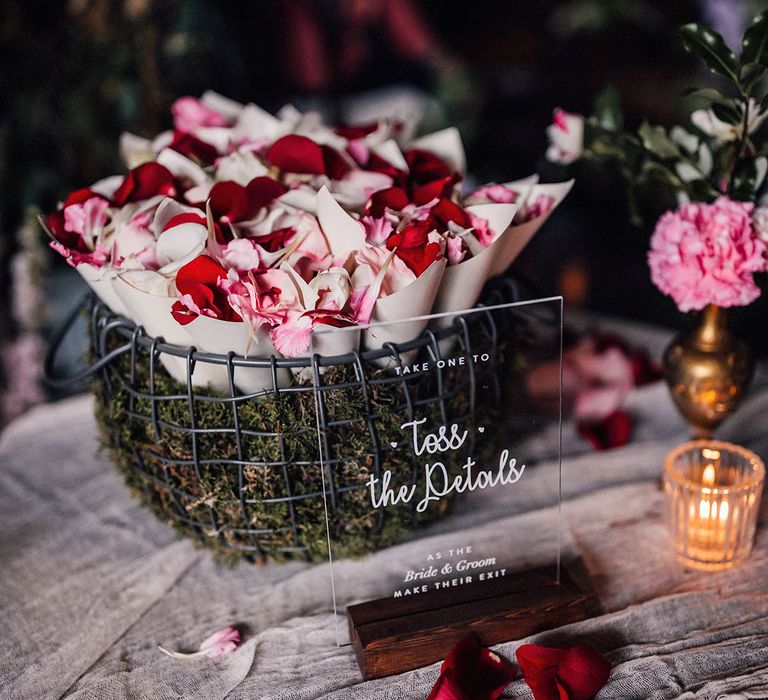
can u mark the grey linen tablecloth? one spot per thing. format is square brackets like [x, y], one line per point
[90, 583]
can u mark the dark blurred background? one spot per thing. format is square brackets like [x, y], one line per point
[76, 74]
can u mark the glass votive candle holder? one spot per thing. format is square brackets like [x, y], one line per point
[712, 492]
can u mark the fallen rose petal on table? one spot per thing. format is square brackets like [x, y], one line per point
[472, 672]
[613, 431]
[225, 641]
[573, 673]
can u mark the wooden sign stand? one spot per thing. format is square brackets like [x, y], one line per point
[392, 636]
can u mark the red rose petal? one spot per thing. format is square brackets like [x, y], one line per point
[615, 430]
[55, 220]
[261, 192]
[182, 314]
[413, 246]
[351, 133]
[202, 270]
[377, 164]
[193, 148]
[425, 166]
[228, 200]
[446, 211]
[445, 688]
[575, 673]
[275, 240]
[472, 672]
[415, 235]
[199, 278]
[436, 189]
[296, 154]
[145, 181]
[544, 685]
[582, 672]
[539, 667]
[231, 202]
[73, 241]
[335, 167]
[644, 370]
[185, 218]
[389, 198]
[80, 196]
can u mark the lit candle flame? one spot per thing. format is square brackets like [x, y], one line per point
[706, 507]
[724, 511]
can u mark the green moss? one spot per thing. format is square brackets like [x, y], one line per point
[265, 502]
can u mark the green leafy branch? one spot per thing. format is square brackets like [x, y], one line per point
[723, 150]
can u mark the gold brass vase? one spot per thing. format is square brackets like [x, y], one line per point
[708, 371]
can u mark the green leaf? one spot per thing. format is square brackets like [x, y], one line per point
[726, 113]
[605, 148]
[754, 47]
[701, 190]
[750, 75]
[764, 103]
[608, 109]
[655, 140]
[707, 43]
[709, 94]
[744, 179]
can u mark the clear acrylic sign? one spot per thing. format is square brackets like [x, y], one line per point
[425, 468]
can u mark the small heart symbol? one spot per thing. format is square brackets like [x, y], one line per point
[394, 444]
[481, 429]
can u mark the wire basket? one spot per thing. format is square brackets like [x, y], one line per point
[241, 473]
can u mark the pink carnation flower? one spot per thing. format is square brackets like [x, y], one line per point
[706, 254]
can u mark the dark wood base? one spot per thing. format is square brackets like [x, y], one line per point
[392, 636]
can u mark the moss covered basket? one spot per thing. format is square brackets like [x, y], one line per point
[242, 475]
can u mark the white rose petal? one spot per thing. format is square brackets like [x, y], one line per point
[179, 245]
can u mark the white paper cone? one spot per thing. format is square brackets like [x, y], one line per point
[445, 144]
[342, 232]
[517, 237]
[498, 216]
[154, 314]
[523, 183]
[462, 284]
[390, 152]
[221, 337]
[521, 187]
[103, 286]
[417, 299]
[330, 342]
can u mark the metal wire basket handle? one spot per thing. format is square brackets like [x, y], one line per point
[51, 378]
